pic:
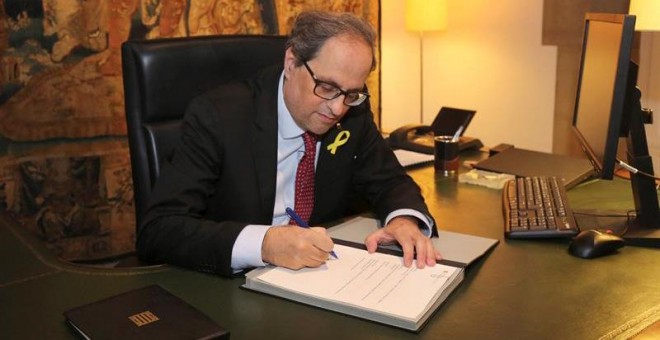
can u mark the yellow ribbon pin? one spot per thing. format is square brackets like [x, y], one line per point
[341, 139]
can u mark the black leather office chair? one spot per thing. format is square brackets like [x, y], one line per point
[160, 79]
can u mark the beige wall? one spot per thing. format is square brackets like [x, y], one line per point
[489, 59]
[649, 83]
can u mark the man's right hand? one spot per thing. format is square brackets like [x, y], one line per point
[294, 247]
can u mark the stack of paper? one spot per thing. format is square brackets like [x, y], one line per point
[376, 287]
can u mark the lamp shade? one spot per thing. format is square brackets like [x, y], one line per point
[426, 15]
[647, 13]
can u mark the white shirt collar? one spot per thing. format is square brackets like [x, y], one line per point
[287, 127]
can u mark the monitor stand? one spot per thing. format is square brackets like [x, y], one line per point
[617, 222]
[643, 227]
[644, 230]
[640, 236]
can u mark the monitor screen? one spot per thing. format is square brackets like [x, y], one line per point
[602, 84]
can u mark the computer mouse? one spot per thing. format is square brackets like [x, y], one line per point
[594, 243]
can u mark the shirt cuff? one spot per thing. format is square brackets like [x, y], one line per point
[425, 227]
[246, 252]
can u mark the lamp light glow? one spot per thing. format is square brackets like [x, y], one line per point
[426, 15]
[647, 13]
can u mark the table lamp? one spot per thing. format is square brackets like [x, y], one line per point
[425, 16]
[648, 20]
[647, 13]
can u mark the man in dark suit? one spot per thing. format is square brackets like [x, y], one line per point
[219, 204]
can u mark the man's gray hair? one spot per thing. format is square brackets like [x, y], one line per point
[312, 28]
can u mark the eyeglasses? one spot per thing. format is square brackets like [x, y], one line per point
[329, 91]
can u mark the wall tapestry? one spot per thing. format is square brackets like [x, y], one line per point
[64, 167]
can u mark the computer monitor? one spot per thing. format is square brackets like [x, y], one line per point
[607, 108]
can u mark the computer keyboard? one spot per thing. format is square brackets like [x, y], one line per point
[536, 207]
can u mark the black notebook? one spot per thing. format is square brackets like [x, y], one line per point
[526, 163]
[147, 313]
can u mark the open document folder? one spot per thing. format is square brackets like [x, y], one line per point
[456, 248]
[376, 287]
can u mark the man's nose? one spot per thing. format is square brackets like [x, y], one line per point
[337, 106]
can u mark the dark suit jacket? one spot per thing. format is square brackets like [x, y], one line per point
[222, 176]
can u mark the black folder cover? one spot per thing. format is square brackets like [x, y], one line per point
[147, 313]
[526, 163]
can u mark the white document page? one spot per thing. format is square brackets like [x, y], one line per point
[408, 158]
[372, 281]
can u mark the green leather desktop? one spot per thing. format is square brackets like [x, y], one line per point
[522, 289]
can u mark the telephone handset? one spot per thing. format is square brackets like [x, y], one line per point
[417, 129]
[419, 138]
[413, 137]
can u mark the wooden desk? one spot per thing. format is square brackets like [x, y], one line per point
[520, 290]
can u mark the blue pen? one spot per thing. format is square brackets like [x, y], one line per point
[303, 224]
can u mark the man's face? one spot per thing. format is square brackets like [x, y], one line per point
[343, 61]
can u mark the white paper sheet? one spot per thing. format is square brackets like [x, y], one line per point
[409, 158]
[373, 281]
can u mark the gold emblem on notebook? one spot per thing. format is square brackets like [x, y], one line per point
[143, 318]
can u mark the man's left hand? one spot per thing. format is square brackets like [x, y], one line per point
[404, 229]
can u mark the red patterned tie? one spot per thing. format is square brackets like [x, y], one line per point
[304, 199]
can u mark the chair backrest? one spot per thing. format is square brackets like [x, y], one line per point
[162, 76]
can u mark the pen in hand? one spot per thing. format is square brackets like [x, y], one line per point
[303, 224]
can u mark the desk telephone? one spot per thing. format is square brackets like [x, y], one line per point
[449, 121]
[419, 138]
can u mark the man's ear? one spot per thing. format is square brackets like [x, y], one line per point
[289, 62]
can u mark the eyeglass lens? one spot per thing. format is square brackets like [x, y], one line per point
[329, 91]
